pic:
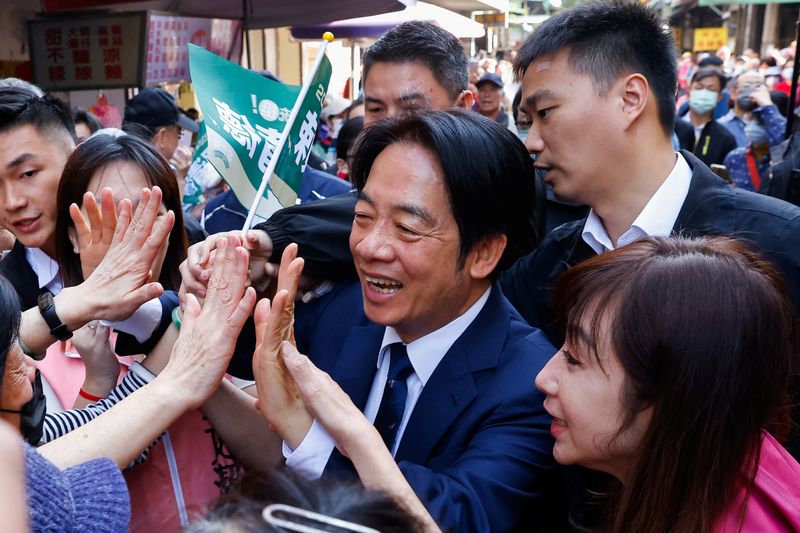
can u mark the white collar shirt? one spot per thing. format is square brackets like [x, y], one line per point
[425, 354]
[656, 219]
[45, 268]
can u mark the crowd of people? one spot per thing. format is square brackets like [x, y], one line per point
[542, 317]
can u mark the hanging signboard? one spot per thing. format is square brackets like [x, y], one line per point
[710, 39]
[91, 52]
[124, 50]
[169, 35]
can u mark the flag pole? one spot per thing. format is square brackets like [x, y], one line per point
[270, 170]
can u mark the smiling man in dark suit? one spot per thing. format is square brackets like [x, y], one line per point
[425, 344]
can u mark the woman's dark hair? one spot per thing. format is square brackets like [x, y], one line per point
[9, 321]
[488, 174]
[706, 336]
[241, 507]
[347, 137]
[95, 153]
[82, 116]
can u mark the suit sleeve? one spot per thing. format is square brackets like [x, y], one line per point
[321, 230]
[497, 483]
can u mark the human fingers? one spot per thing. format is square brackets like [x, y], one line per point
[219, 289]
[137, 297]
[109, 213]
[94, 215]
[258, 243]
[123, 221]
[243, 309]
[160, 231]
[191, 311]
[191, 283]
[81, 226]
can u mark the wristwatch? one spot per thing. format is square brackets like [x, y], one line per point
[47, 308]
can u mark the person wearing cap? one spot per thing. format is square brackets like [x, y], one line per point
[490, 97]
[154, 115]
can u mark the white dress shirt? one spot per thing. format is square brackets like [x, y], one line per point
[140, 324]
[425, 354]
[656, 219]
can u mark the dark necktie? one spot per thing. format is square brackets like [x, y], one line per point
[390, 413]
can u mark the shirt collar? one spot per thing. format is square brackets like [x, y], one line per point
[656, 219]
[428, 351]
[45, 268]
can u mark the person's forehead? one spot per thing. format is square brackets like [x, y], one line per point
[708, 81]
[553, 76]
[399, 78]
[28, 142]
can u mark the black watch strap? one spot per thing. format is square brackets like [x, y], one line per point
[47, 308]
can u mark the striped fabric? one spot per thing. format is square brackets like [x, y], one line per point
[59, 424]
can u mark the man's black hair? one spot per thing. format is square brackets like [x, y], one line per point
[607, 40]
[426, 43]
[711, 61]
[488, 195]
[710, 72]
[19, 107]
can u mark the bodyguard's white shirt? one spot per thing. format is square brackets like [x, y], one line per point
[425, 354]
[140, 324]
[656, 219]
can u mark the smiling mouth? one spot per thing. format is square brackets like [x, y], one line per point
[559, 422]
[383, 285]
[25, 223]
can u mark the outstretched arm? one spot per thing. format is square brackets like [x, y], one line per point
[194, 371]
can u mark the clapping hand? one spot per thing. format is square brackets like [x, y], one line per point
[95, 230]
[208, 334]
[121, 282]
[278, 398]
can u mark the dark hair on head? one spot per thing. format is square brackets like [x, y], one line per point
[781, 101]
[241, 508]
[711, 61]
[426, 43]
[347, 137]
[488, 195]
[9, 321]
[90, 156]
[710, 72]
[82, 116]
[607, 40]
[706, 336]
[139, 130]
[48, 114]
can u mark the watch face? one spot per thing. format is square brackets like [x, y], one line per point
[45, 300]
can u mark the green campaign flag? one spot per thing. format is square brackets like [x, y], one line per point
[193, 189]
[245, 115]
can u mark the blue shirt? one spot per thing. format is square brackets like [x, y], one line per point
[736, 162]
[774, 123]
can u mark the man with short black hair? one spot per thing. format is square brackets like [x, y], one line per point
[712, 141]
[621, 64]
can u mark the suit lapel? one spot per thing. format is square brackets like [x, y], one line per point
[452, 387]
[357, 363]
[710, 204]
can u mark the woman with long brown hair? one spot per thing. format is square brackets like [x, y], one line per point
[676, 364]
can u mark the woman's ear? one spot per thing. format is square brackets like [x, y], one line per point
[73, 238]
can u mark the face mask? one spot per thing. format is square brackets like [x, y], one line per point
[522, 135]
[757, 133]
[702, 101]
[32, 413]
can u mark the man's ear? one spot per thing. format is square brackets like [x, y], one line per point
[158, 137]
[72, 233]
[484, 257]
[635, 93]
[341, 165]
[464, 100]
